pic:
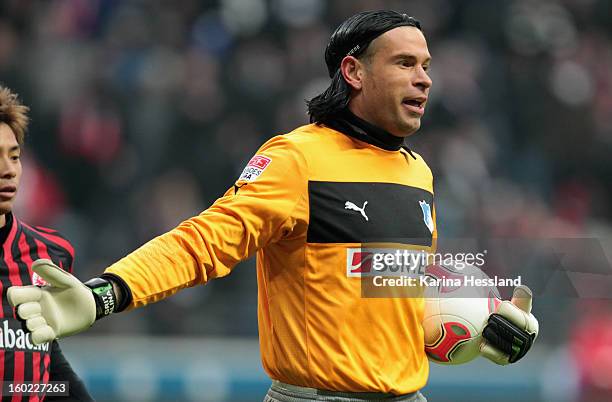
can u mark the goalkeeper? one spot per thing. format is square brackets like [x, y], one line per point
[304, 204]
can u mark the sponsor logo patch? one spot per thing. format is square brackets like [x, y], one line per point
[255, 168]
[358, 262]
[370, 262]
[12, 337]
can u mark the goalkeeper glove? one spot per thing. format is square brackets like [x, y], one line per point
[511, 330]
[63, 307]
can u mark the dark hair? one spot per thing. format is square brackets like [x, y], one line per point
[13, 113]
[351, 38]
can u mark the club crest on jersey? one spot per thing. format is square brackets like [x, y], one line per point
[37, 280]
[427, 218]
[255, 168]
[358, 262]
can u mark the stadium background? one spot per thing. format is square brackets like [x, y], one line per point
[143, 112]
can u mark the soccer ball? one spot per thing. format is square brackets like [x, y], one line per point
[455, 314]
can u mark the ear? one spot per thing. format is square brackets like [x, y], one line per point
[352, 71]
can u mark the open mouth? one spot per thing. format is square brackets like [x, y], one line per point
[415, 105]
[414, 102]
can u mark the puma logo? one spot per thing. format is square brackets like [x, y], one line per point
[353, 207]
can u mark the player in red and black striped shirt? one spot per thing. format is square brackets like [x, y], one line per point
[20, 245]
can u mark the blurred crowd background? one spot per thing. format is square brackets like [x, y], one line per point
[144, 112]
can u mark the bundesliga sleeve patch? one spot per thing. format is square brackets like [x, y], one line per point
[255, 168]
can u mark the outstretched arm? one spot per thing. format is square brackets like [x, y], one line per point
[257, 211]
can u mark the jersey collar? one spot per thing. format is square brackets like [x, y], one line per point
[353, 126]
[4, 230]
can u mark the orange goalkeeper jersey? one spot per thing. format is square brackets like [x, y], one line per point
[305, 203]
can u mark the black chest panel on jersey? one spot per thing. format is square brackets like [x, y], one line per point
[393, 213]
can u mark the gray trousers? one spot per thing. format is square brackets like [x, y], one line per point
[281, 392]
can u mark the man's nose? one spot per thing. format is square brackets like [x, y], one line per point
[8, 169]
[422, 80]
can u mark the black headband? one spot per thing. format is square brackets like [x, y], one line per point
[360, 44]
[357, 49]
